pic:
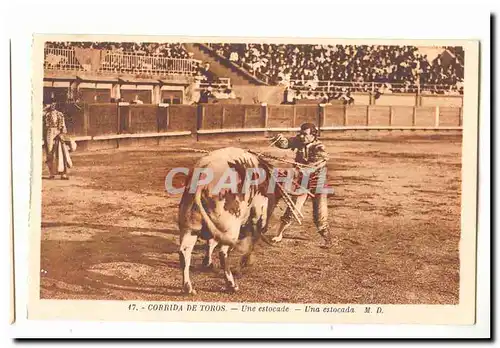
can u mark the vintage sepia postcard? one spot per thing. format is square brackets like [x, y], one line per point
[186, 179]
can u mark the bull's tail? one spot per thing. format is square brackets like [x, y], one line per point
[218, 234]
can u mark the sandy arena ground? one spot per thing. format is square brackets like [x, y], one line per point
[111, 233]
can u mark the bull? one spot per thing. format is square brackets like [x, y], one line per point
[220, 212]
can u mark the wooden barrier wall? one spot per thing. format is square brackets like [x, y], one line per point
[103, 119]
[108, 119]
[181, 118]
[143, 119]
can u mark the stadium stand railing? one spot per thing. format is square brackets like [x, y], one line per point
[366, 87]
[61, 59]
[111, 62]
[222, 83]
[129, 62]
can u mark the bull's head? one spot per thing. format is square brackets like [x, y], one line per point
[275, 184]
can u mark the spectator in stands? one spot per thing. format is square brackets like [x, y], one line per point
[205, 72]
[289, 96]
[205, 96]
[346, 96]
[324, 98]
[221, 94]
[230, 93]
[192, 94]
[234, 57]
[137, 100]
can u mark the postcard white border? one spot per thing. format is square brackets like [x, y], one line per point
[470, 14]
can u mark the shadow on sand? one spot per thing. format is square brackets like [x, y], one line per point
[72, 261]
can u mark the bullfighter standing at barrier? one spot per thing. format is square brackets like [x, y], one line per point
[57, 154]
[311, 152]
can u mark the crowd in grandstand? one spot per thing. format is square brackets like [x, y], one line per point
[168, 50]
[312, 64]
[324, 72]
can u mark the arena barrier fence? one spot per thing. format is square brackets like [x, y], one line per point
[124, 121]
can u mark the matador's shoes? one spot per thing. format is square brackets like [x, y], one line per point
[328, 243]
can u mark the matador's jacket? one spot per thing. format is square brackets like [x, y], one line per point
[54, 119]
[311, 153]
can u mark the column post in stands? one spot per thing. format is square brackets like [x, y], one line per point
[118, 118]
[372, 94]
[163, 115]
[244, 121]
[264, 113]
[367, 115]
[345, 115]
[73, 89]
[123, 117]
[436, 117]
[419, 93]
[265, 116]
[223, 117]
[200, 120]
[156, 95]
[85, 119]
[321, 117]
[167, 117]
[419, 96]
[116, 91]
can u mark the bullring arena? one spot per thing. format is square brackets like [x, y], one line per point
[110, 232]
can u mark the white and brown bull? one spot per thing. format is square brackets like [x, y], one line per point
[226, 194]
